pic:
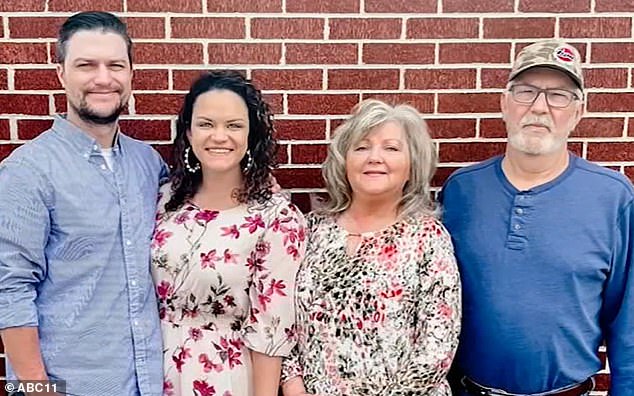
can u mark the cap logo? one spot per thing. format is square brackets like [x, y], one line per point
[564, 54]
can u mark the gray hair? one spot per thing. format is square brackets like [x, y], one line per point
[369, 114]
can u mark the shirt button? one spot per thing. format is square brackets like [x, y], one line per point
[86, 156]
[519, 211]
[128, 242]
[133, 283]
[103, 167]
[517, 226]
[136, 323]
[95, 147]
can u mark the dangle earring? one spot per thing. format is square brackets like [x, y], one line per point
[190, 169]
[249, 164]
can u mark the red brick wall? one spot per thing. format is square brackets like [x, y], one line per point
[317, 58]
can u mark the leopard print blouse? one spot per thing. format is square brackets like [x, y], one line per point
[382, 321]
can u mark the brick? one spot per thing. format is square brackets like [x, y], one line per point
[519, 27]
[630, 127]
[440, 78]
[438, 28]
[1, 28]
[30, 129]
[308, 201]
[308, 153]
[231, 6]
[599, 127]
[215, 28]
[76, 5]
[441, 175]
[24, 104]
[327, 104]
[475, 53]
[595, 27]
[164, 6]
[288, 28]
[183, 79]
[5, 133]
[36, 79]
[298, 177]
[158, 103]
[322, 6]
[494, 78]
[614, 6]
[168, 53]
[469, 103]
[300, 129]
[451, 128]
[559, 6]
[22, 5]
[244, 53]
[492, 128]
[3, 79]
[275, 102]
[329, 54]
[605, 78]
[602, 382]
[297, 79]
[5, 150]
[477, 5]
[23, 53]
[401, 6]
[34, 27]
[281, 157]
[150, 79]
[60, 103]
[612, 152]
[611, 102]
[469, 152]
[366, 28]
[418, 54]
[424, 103]
[145, 27]
[147, 129]
[363, 79]
[612, 52]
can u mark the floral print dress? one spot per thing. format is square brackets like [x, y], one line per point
[381, 321]
[225, 282]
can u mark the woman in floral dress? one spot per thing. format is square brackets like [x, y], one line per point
[225, 250]
[378, 295]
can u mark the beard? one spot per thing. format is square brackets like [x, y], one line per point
[91, 116]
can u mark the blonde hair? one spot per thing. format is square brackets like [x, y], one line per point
[369, 114]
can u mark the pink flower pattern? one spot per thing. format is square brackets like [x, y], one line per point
[223, 280]
[383, 321]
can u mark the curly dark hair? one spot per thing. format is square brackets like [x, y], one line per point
[261, 144]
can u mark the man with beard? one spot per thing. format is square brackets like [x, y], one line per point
[545, 242]
[76, 216]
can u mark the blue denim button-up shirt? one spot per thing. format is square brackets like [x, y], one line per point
[74, 259]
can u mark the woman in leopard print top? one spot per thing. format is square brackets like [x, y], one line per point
[378, 294]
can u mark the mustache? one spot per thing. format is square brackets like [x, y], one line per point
[534, 120]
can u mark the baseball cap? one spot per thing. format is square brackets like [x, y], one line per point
[552, 53]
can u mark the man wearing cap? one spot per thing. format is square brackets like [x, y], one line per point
[545, 242]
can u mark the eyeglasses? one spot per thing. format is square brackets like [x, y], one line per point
[528, 94]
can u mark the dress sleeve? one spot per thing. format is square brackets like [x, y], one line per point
[291, 367]
[618, 307]
[423, 370]
[24, 230]
[274, 263]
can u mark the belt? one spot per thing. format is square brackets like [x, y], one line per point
[478, 390]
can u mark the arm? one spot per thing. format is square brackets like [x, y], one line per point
[24, 228]
[618, 307]
[276, 259]
[424, 369]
